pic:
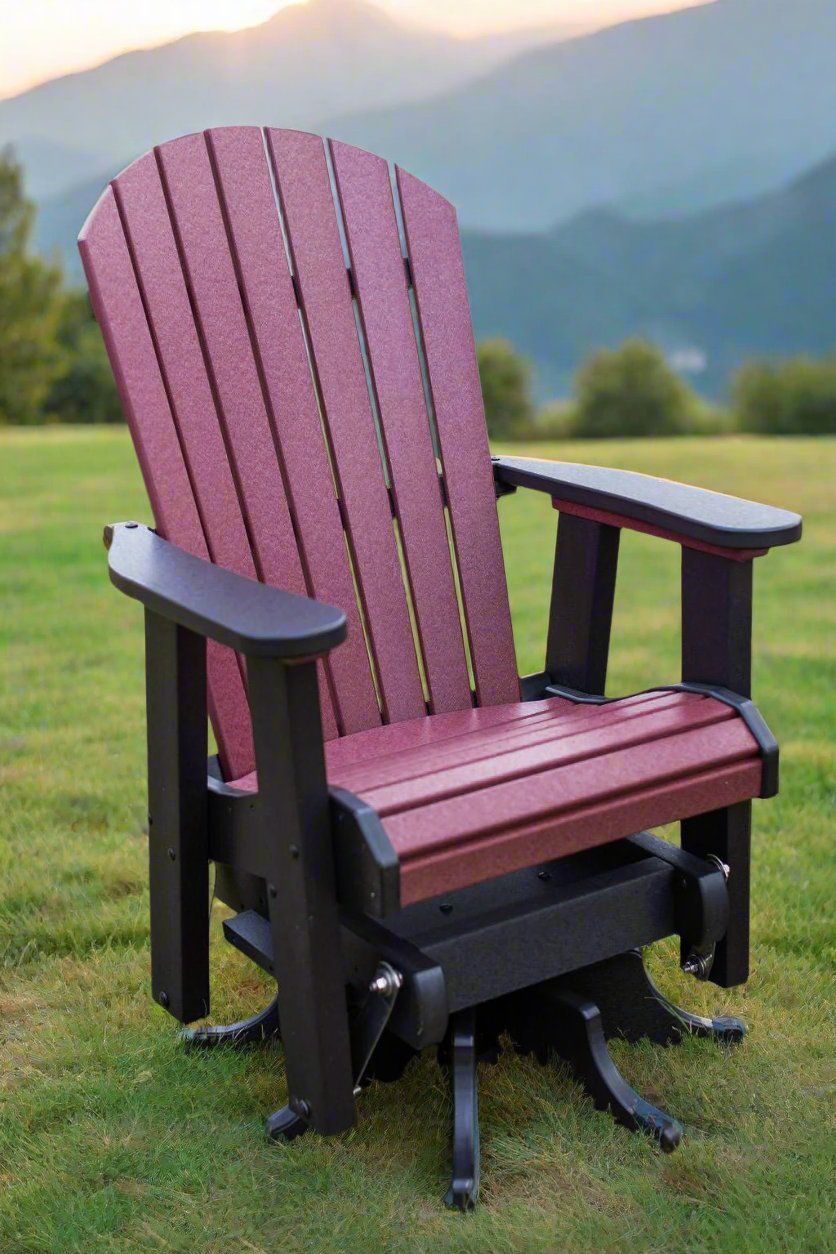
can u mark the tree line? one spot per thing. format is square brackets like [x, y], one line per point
[53, 367]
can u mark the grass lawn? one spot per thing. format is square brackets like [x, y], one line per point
[110, 1136]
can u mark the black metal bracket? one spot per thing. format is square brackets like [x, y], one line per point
[365, 1031]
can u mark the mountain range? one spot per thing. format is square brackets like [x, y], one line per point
[681, 111]
[673, 176]
[712, 288]
[306, 62]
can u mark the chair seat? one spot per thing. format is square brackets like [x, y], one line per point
[477, 793]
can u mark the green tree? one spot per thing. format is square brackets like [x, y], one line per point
[793, 397]
[30, 357]
[506, 389]
[630, 391]
[85, 390]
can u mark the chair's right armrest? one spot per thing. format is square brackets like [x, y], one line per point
[253, 618]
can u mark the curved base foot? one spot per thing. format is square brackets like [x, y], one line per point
[260, 1028]
[575, 1031]
[632, 1006]
[461, 1053]
[285, 1125]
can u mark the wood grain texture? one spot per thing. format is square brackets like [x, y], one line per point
[311, 223]
[383, 298]
[441, 296]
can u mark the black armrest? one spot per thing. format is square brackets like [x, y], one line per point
[692, 513]
[254, 618]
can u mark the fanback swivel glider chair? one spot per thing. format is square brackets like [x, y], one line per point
[421, 847]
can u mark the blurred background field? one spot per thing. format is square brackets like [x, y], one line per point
[110, 1134]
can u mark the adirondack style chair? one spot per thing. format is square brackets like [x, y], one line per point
[423, 848]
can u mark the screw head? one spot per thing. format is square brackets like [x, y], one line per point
[163, 999]
[172, 855]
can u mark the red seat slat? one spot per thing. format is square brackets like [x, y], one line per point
[118, 305]
[310, 219]
[529, 800]
[383, 299]
[486, 746]
[243, 177]
[441, 297]
[529, 760]
[444, 870]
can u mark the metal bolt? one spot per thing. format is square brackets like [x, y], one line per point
[163, 999]
[544, 875]
[720, 865]
[446, 908]
[698, 965]
[272, 890]
[172, 855]
[386, 980]
[294, 851]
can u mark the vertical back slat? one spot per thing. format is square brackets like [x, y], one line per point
[118, 306]
[383, 298]
[243, 178]
[196, 212]
[310, 219]
[441, 297]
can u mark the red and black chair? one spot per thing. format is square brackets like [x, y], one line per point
[421, 847]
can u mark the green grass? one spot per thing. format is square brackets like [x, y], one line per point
[110, 1136]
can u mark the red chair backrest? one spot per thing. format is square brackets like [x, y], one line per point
[271, 342]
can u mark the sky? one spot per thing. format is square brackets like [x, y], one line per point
[40, 39]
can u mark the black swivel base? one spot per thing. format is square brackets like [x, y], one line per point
[570, 1017]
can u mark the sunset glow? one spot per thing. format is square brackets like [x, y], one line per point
[41, 39]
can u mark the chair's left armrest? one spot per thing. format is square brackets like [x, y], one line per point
[253, 618]
[644, 503]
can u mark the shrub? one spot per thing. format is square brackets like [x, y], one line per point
[793, 397]
[30, 357]
[506, 388]
[85, 390]
[630, 391]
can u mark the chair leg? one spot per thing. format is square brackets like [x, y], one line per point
[366, 1031]
[461, 1053]
[260, 1028]
[578, 1036]
[576, 1014]
[633, 1008]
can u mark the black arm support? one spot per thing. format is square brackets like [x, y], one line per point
[253, 618]
[719, 535]
[692, 513]
[187, 599]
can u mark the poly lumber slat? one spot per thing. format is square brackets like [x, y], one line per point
[529, 760]
[311, 224]
[117, 303]
[435, 257]
[221, 321]
[489, 745]
[370, 746]
[497, 737]
[531, 799]
[498, 854]
[383, 299]
[247, 194]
